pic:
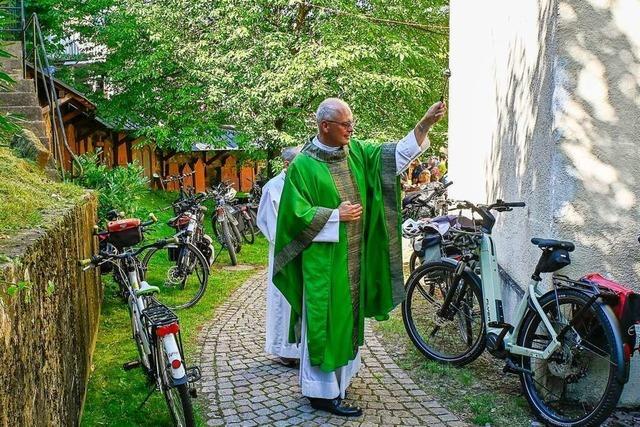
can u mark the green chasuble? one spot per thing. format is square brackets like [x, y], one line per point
[359, 276]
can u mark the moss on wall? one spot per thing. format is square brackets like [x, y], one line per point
[49, 313]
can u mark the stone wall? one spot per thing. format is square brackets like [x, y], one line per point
[49, 322]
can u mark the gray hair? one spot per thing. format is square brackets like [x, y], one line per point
[289, 153]
[329, 108]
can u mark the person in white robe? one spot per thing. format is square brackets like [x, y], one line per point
[278, 309]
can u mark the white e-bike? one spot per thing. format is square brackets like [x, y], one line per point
[564, 344]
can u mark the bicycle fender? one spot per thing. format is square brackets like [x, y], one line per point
[622, 370]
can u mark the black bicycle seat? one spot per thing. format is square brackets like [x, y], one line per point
[553, 244]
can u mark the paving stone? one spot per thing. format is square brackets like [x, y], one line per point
[241, 385]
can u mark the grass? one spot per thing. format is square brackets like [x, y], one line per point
[479, 392]
[26, 194]
[114, 395]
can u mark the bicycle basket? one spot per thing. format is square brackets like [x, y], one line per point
[180, 222]
[125, 233]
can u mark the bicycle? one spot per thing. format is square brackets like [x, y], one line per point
[182, 267]
[224, 223]
[426, 203]
[156, 332]
[564, 344]
[246, 224]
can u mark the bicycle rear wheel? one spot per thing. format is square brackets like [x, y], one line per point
[177, 396]
[577, 386]
[456, 337]
[181, 272]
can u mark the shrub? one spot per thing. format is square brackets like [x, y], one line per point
[119, 188]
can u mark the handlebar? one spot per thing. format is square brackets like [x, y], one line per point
[488, 220]
[177, 177]
[105, 256]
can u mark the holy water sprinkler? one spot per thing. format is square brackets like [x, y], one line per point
[446, 73]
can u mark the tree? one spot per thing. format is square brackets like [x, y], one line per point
[184, 67]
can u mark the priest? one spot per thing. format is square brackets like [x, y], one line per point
[338, 246]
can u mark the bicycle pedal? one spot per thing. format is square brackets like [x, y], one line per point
[193, 374]
[193, 392]
[131, 365]
[512, 368]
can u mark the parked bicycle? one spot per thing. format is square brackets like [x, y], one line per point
[246, 223]
[156, 332]
[564, 344]
[224, 222]
[426, 203]
[183, 267]
[183, 191]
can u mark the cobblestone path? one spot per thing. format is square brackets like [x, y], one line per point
[242, 385]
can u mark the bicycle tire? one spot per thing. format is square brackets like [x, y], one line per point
[528, 333]
[414, 262]
[413, 318]
[237, 236]
[177, 397]
[229, 243]
[176, 279]
[248, 231]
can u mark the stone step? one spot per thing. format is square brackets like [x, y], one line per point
[14, 48]
[18, 99]
[30, 113]
[10, 65]
[21, 85]
[36, 127]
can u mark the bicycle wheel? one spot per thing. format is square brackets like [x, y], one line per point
[177, 396]
[248, 232]
[237, 236]
[456, 337]
[181, 272]
[414, 261]
[229, 242]
[577, 386]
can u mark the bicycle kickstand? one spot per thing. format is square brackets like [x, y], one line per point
[153, 388]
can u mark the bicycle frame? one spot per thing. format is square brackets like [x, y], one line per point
[493, 308]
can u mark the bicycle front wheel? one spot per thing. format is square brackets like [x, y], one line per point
[180, 271]
[577, 385]
[248, 232]
[454, 334]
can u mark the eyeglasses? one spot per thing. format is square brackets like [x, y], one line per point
[346, 125]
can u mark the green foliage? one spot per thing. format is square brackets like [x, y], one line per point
[119, 188]
[23, 287]
[181, 68]
[26, 194]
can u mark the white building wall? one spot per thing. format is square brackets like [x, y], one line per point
[545, 108]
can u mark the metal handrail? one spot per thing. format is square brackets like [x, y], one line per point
[40, 58]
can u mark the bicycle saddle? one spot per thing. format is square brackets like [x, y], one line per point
[553, 244]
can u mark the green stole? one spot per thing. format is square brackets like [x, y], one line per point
[360, 275]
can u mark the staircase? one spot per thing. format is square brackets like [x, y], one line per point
[21, 100]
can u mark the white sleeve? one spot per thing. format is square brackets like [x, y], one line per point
[408, 149]
[267, 217]
[330, 233]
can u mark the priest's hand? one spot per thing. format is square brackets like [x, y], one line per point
[349, 211]
[431, 117]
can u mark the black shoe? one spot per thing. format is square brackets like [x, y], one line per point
[288, 362]
[335, 406]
